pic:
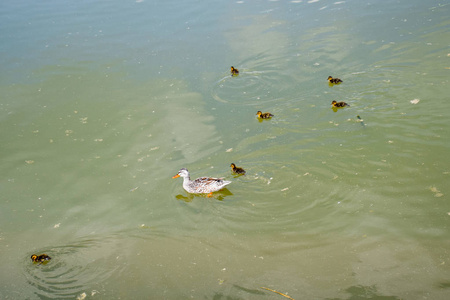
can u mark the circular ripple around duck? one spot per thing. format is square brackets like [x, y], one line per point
[73, 270]
[249, 88]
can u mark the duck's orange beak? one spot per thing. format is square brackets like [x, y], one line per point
[176, 176]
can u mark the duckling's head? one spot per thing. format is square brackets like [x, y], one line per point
[334, 102]
[329, 78]
[232, 69]
[33, 257]
[259, 113]
[182, 173]
[233, 165]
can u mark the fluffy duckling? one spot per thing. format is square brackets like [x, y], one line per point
[234, 71]
[265, 115]
[334, 80]
[40, 258]
[237, 170]
[338, 104]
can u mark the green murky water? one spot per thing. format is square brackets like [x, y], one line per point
[103, 102]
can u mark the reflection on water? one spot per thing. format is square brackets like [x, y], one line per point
[99, 109]
[220, 195]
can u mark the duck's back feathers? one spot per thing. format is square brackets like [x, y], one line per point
[206, 185]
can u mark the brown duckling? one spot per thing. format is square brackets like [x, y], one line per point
[237, 170]
[40, 258]
[265, 115]
[338, 104]
[334, 80]
[234, 71]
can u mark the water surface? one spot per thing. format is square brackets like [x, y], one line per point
[102, 103]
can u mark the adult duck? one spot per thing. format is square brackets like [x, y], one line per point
[202, 185]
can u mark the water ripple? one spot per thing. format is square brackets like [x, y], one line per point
[73, 269]
[249, 88]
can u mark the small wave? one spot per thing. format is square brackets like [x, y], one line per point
[73, 269]
[246, 89]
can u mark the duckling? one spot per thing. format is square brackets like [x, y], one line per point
[234, 71]
[265, 115]
[40, 258]
[334, 80]
[237, 170]
[338, 104]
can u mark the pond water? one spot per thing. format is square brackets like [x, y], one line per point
[102, 102]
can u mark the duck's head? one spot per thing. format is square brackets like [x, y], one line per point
[232, 69]
[233, 165]
[33, 257]
[182, 173]
[329, 78]
[334, 102]
[259, 113]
